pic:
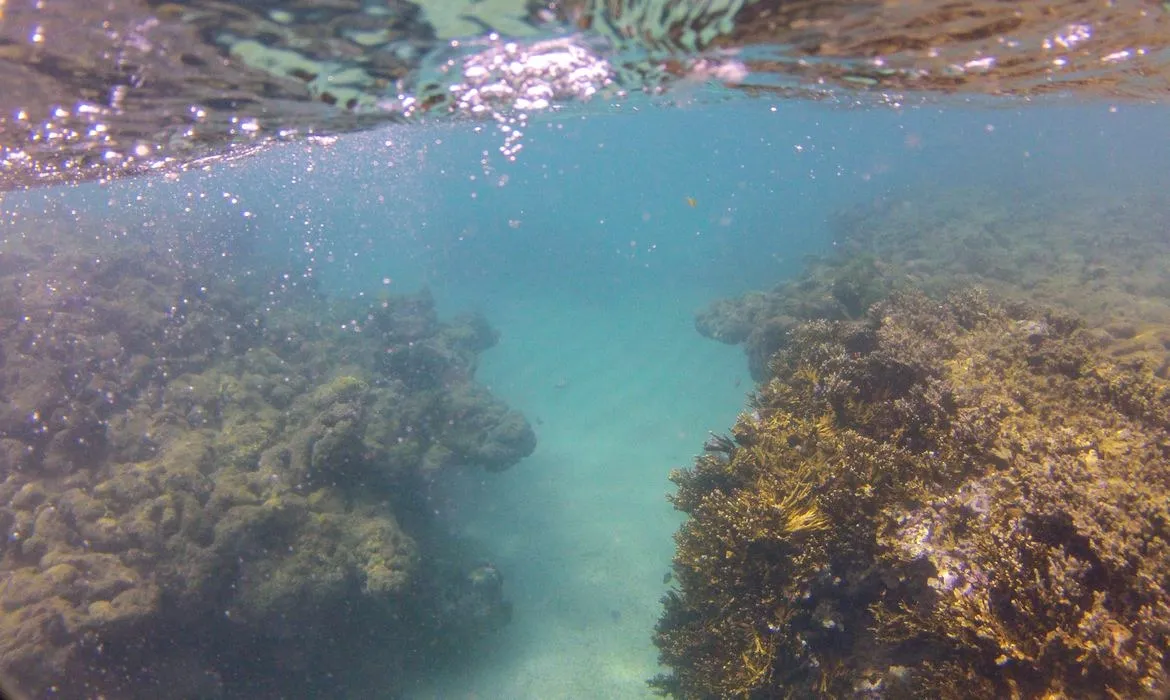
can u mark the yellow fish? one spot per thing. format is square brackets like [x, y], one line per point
[691, 201]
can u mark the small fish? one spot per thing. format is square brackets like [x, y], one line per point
[691, 202]
[667, 577]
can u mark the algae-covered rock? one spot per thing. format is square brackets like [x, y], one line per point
[326, 558]
[483, 430]
[187, 466]
[948, 498]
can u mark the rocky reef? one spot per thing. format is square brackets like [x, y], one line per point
[218, 489]
[1100, 254]
[945, 497]
[953, 479]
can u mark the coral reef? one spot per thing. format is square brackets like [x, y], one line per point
[946, 497]
[190, 467]
[1093, 252]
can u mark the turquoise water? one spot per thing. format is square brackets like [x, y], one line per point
[589, 254]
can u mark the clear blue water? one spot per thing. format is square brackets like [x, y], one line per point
[590, 254]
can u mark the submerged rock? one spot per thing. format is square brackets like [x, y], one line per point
[178, 479]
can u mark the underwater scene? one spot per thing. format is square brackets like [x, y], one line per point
[848, 383]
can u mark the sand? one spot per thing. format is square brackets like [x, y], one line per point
[619, 393]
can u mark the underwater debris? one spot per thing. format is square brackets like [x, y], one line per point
[946, 498]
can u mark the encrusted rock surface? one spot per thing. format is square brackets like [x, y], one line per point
[206, 495]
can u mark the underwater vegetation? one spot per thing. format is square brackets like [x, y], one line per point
[948, 497]
[1101, 254]
[210, 490]
[941, 492]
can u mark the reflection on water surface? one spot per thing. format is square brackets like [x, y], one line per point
[392, 415]
[133, 86]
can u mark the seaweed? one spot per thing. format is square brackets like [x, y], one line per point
[944, 498]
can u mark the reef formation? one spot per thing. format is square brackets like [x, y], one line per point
[945, 498]
[937, 490]
[1098, 253]
[213, 489]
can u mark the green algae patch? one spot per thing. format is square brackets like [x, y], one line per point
[339, 390]
[239, 446]
[945, 498]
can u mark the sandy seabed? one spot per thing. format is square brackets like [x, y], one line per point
[619, 395]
